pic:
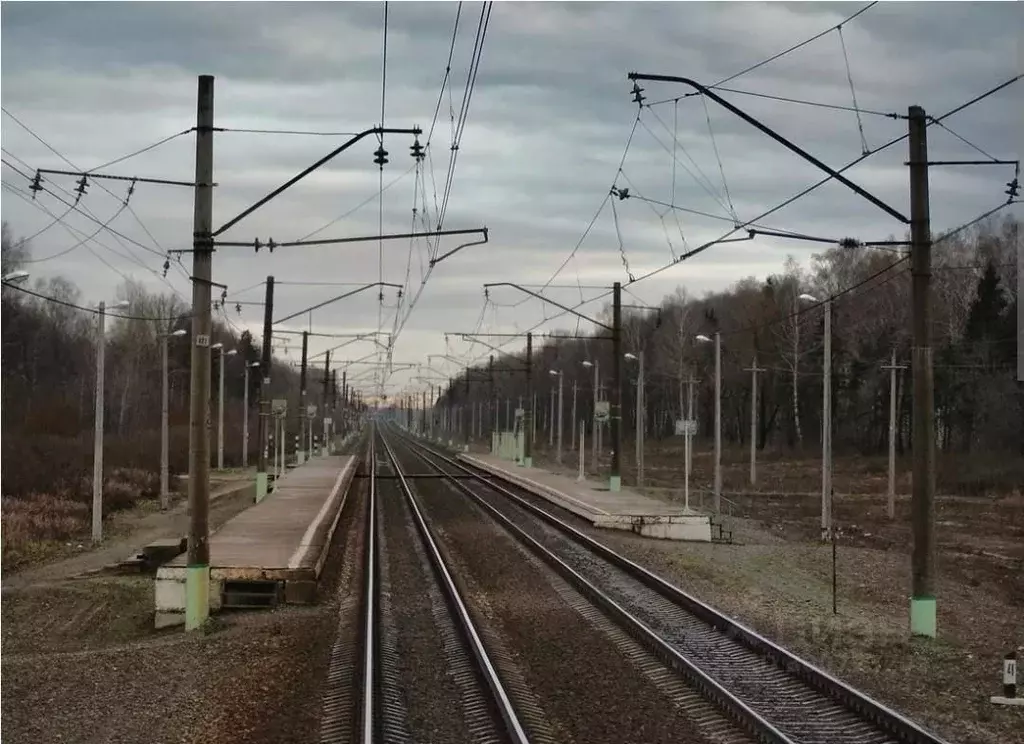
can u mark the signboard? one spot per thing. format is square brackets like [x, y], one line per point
[520, 412]
[602, 411]
[686, 427]
[279, 405]
[202, 339]
[311, 410]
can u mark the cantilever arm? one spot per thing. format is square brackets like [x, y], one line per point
[704, 90]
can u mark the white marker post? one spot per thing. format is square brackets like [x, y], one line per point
[1009, 696]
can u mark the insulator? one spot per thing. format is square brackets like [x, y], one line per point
[380, 156]
[82, 185]
[417, 150]
[638, 97]
[256, 244]
[238, 308]
[271, 244]
[36, 185]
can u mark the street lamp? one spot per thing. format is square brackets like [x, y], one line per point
[596, 433]
[16, 277]
[97, 458]
[641, 417]
[245, 415]
[559, 374]
[718, 416]
[826, 419]
[165, 495]
[220, 404]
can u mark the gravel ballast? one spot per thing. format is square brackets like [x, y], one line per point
[587, 689]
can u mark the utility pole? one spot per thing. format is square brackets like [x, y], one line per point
[527, 413]
[551, 419]
[893, 368]
[641, 411]
[561, 408]
[595, 435]
[689, 441]
[572, 439]
[197, 576]
[718, 422]
[753, 370]
[826, 429]
[263, 413]
[165, 487]
[97, 445]
[300, 455]
[922, 603]
[615, 479]
[245, 413]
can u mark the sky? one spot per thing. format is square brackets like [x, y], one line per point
[549, 129]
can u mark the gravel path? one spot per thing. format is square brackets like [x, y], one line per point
[588, 690]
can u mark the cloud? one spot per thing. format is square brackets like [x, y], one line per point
[548, 122]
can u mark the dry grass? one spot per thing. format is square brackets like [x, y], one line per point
[40, 525]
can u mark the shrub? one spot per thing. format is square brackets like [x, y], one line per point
[42, 517]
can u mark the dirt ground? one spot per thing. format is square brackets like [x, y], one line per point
[82, 662]
[777, 578]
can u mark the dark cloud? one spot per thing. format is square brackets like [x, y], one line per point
[547, 126]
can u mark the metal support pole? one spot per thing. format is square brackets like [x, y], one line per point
[718, 423]
[572, 439]
[300, 455]
[922, 607]
[528, 414]
[197, 578]
[641, 412]
[165, 475]
[826, 431]
[595, 436]
[97, 444]
[753, 370]
[561, 408]
[220, 412]
[263, 410]
[689, 441]
[891, 500]
[245, 417]
[551, 419]
[615, 479]
[583, 469]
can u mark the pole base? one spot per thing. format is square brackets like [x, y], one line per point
[615, 483]
[300, 457]
[197, 596]
[1000, 700]
[527, 462]
[922, 617]
[261, 486]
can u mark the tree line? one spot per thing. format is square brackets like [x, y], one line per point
[49, 381]
[979, 404]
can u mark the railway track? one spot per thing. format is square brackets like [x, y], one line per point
[377, 714]
[768, 692]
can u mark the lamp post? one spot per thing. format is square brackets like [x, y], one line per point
[165, 494]
[559, 374]
[97, 457]
[245, 414]
[826, 420]
[220, 404]
[718, 417]
[594, 435]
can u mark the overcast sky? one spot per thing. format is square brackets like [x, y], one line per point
[547, 124]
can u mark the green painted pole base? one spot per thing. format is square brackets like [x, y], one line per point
[615, 483]
[197, 596]
[300, 457]
[922, 617]
[528, 462]
[261, 487]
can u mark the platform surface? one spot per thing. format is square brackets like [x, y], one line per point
[587, 498]
[284, 536]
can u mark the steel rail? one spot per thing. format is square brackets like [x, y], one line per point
[502, 700]
[368, 714]
[888, 720]
[738, 711]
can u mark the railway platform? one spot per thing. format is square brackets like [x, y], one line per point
[273, 551]
[622, 510]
